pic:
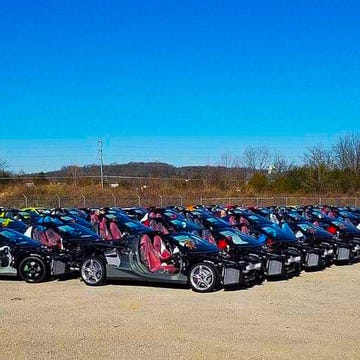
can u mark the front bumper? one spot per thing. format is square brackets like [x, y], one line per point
[57, 267]
[245, 274]
[283, 265]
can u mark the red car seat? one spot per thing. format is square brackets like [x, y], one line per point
[152, 258]
[115, 232]
[160, 247]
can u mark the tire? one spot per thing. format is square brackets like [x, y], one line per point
[32, 269]
[93, 271]
[260, 278]
[203, 277]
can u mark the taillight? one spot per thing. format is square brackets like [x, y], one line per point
[222, 244]
[331, 229]
[269, 242]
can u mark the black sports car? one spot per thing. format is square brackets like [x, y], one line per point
[180, 258]
[24, 257]
[277, 254]
[170, 222]
[313, 236]
[346, 233]
[71, 240]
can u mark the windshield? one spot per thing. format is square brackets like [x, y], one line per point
[257, 219]
[127, 224]
[321, 215]
[118, 213]
[67, 218]
[276, 233]
[345, 225]
[183, 224]
[217, 222]
[76, 231]
[348, 214]
[50, 219]
[28, 215]
[172, 214]
[238, 238]
[134, 226]
[308, 228]
[18, 239]
[294, 216]
[193, 242]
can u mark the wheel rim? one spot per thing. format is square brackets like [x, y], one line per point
[92, 271]
[202, 277]
[33, 269]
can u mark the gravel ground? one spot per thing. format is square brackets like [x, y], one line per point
[313, 316]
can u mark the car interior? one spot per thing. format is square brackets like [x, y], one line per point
[157, 255]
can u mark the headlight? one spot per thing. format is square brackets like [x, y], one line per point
[258, 266]
[265, 247]
[250, 267]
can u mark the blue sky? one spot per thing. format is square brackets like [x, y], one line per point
[174, 81]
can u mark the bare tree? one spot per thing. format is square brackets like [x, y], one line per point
[318, 165]
[347, 152]
[4, 173]
[280, 164]
[228, 160]
[3, 165]
[318, 156]
[256, 158]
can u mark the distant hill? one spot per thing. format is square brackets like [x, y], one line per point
[147, 169]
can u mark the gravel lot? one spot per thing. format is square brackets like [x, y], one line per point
[313, 316]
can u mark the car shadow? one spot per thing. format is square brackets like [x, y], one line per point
[242, 287]
[65, 277]
[280, 278]
[10, 278]
[147, 284]
[156, 285]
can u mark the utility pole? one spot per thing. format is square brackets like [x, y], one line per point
[101, 162]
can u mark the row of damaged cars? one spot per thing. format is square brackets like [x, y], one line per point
[204, 247]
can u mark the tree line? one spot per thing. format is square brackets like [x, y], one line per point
[322, 170]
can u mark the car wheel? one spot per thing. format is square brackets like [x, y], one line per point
[93, 271]
[32, 269]
[259, 278]
[203, 277]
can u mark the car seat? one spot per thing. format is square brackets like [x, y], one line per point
[161, 227]
[152, 258]
[115, 233]
[160, 247]
[53, 238]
